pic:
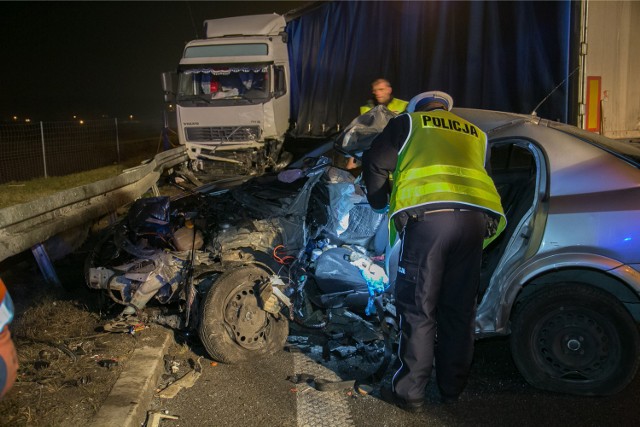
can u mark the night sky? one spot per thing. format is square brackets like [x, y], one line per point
[94, 59]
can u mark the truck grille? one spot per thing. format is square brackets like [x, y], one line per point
[223, 134]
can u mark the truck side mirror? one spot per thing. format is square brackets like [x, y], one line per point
[280, 81]
[168, 86]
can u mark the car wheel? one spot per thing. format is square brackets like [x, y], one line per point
[576, 339]
[233, 327]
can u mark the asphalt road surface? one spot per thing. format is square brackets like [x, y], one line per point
[264, 393]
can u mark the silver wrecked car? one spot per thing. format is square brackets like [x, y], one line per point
[246, 259]
[564, 279]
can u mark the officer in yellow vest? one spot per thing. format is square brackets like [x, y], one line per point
[440, 202]
[382, 95]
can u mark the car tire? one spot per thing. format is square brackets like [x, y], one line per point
[233, 327]
[576, 339]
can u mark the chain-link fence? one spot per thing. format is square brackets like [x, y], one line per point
[44, 149]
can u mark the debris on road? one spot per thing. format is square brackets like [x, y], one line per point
[186, 381]
[154, 418]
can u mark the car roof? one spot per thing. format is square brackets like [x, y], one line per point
[490, 121]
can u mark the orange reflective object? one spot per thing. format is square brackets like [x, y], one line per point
[8, 362]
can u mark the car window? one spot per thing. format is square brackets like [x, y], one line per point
[510, 157]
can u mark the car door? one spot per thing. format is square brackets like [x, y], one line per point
[519, 170]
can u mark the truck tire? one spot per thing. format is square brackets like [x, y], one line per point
[233, 327]
[576, 339]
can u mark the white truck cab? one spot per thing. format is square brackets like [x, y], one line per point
[232, 99]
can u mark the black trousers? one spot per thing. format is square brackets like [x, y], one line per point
[437, 286]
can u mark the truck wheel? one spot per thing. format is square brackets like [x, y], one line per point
[576, 339]
[233, 327]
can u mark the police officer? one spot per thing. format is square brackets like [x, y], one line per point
[427, 168]
[382, 95]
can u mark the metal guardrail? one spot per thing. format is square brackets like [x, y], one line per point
[28, 224]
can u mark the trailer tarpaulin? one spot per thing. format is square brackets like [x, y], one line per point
[493, 55]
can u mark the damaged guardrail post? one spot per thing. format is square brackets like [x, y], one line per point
[45, 265]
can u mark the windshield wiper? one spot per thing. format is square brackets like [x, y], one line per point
[205, 98]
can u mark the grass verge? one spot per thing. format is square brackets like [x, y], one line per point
[14, 193]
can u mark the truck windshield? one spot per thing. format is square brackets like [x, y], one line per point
[212, 83]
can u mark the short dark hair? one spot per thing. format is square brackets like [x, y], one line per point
[380, 80]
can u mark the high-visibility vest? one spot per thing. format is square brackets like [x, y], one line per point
[396, 105]
[442, 161]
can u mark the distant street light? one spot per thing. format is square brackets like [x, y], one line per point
[131, 117]
[81, 122]
[27, 120]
